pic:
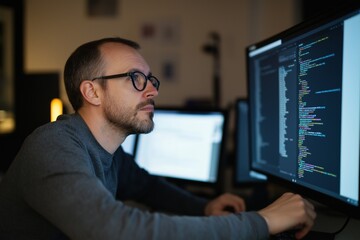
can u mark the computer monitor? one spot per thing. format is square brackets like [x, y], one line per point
[186, 145]
[129, 144]
[304, 95]
[243, 174]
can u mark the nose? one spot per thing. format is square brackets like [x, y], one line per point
[150, 91]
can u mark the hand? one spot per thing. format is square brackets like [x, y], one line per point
[288, 212]
[219, 204]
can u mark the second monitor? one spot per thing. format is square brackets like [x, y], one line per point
[243, 174]
[186, 144]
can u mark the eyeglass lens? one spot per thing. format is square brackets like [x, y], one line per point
[140, 80]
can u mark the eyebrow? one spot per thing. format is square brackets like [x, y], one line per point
[138, 70]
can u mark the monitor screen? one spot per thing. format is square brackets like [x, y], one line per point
[129, 144]
[185, 144]
[243, 174]
[304, 93]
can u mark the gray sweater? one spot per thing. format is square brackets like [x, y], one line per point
[63, 184]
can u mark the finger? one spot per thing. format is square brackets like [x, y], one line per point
[303, 231]
[238, 204]
[241, 206]
[234, 201]
[310, 219]
[309, 204]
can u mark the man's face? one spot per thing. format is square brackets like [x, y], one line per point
[124, 107]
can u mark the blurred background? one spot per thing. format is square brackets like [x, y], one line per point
[186, 43]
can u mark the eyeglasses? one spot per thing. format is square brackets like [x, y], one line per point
[139, 79]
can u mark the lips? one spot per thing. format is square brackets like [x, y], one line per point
[148, 108]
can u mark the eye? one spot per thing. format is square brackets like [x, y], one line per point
[137, 78]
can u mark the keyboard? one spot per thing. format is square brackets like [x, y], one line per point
[286, 235]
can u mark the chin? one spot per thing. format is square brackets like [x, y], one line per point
[143, 125]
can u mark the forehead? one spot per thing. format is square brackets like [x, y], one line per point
[118, 56]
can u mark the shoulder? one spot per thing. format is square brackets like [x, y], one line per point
[63, 142]
[66, 128]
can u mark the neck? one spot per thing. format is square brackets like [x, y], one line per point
[108, 137]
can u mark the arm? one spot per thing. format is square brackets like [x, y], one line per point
[61, 188]
[162, 195]
[82, 208]
[290, 211]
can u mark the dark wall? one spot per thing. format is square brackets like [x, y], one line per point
[33, 97]
[33, 100]
[33, 92]
[9, 143]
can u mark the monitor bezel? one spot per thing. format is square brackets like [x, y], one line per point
[323, 199]
[216, 187]
[250, 181]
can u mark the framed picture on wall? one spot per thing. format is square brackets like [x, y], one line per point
[102, 8]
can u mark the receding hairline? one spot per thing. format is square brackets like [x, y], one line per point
[107, 50]
[106, 45]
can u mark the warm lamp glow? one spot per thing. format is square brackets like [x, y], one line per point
[56, 109]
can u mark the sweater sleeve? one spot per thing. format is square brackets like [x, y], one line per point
[154, 191]
[80, 207]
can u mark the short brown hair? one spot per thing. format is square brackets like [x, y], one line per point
[86, 63]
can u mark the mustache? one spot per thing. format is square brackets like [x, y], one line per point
[147, 102]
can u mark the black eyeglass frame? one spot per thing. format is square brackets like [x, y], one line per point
[154, 81]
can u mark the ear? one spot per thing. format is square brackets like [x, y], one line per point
[88, 91]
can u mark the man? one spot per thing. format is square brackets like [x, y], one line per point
[70, 178]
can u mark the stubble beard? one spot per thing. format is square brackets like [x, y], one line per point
[127, 120]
